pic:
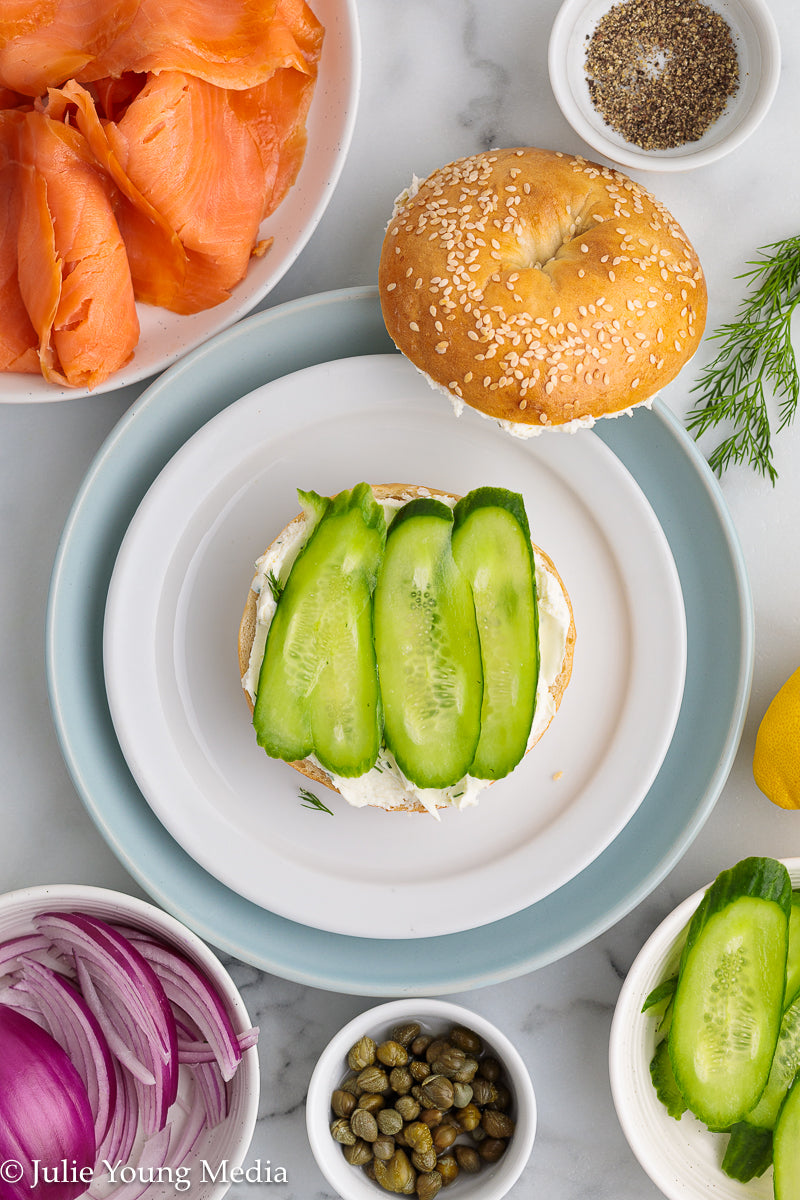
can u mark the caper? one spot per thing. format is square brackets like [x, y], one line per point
[341, 1131]
[469, 1117]
[405, 1034]
[424, 1160]
[468, 1159]
[467, 1072]
[435, 1048]
[503, 1098]
[358, 1154]
[483, 1092]
[418, 1136]
[420, 1044]
[432, 1117]
[389, 1121]
[462, 1094]
[408, 1107]
[343, 1102]
[364, 1125]
[383, 1148]
[490, 1068]
[396, 1175]
[428, 1184]
[450, 1059]
[362, 1054]
[447, 1168]
[392, 1054]
[372, 1102]
[350, 1085]
[373, 1079]
[492, 1149]
[438, 1091]
[419, 1070]
[443, 1137]
[466, 1039]
[401, 1080]
[497, 1124]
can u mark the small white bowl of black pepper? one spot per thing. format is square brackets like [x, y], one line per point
[417, 1095]
[664, 85]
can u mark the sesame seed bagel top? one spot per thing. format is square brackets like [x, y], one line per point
[540, 288]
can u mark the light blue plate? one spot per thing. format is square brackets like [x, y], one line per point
[687, 501]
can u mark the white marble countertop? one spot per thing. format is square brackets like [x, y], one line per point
[441, 78]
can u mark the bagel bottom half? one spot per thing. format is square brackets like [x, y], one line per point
[556, 632]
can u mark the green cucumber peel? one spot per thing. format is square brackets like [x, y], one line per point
[748, 1153]
[664, 1082]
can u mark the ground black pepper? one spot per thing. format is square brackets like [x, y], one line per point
[661, 71]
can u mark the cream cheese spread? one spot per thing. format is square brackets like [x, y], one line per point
[385, 786]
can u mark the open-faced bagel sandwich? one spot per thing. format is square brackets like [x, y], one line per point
[404, 646]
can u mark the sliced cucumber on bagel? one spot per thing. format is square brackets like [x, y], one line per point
[492, 547]
[428, 650]
[318, 685]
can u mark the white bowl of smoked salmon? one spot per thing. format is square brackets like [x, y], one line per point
[182, 153]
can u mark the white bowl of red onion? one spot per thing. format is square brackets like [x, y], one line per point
[127, 1050]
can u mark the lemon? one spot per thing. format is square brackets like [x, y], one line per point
[776, 759]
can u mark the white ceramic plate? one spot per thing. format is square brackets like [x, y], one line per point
[165, 336]
[174, 605]
[681, 1157]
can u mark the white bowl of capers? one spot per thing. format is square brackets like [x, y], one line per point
[418, 1094]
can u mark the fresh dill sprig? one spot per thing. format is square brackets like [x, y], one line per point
[275, 586]
[755, 358]
[312, 801]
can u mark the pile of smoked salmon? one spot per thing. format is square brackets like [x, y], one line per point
[142, 144]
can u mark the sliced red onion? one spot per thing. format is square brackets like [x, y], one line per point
[76, 1029]
[188, 987]
[121, 1136]
[45, 1115]
[116, 965]
[15, 949]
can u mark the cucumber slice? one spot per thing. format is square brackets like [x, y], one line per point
[785, 1065]
[426, 640]
[793, 956]
[729, 997]
[318, 684]
[786, 1147]
[492, 548]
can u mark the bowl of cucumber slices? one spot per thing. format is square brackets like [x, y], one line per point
[704, 1055]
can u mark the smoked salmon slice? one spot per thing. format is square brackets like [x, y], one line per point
[72, 266]
[18, 341]
[230, 45]
[73, 34]
[213, 200]
[156, 257]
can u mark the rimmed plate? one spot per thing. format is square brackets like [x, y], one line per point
[166, 336]
[176, 597]
[685, 497]
[681, 1157]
